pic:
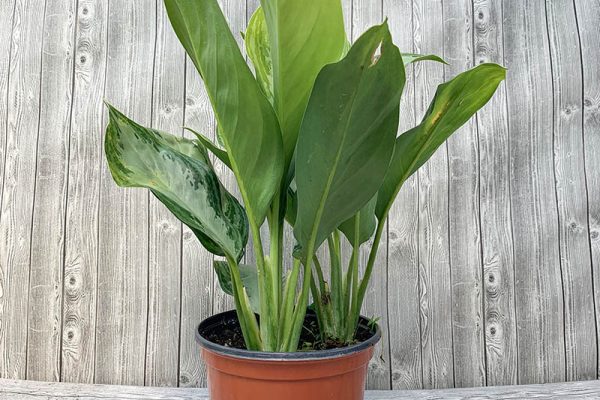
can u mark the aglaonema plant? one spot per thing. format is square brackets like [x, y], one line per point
[311, 137]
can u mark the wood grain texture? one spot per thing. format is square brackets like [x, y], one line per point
[538, 288]
[196, 268]
[7, 10]
[19, 185]
[48, 231]
[575, 254]
[463, 211]
[164, 272]
[85, 155]
[494, 201]
[30, 390]
[122, 306]
[404, 328]
[587, 14]
[434, 262]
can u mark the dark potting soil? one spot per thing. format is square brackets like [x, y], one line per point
[228, 333]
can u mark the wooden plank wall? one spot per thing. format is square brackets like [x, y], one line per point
[488, 275]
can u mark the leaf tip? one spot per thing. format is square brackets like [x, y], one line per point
[113, 112]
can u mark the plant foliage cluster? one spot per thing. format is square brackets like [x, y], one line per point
[311, 136]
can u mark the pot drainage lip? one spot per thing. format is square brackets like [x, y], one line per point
[274, 356]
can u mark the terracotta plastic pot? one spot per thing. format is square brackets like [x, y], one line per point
[235, 374]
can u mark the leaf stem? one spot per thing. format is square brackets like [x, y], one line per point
[347, 309]
[245, 314]
[337, 300]
[368, 271]
[286, 317]
[319, 306]
[354, 307]
[324, 298]
[268, 325]
[275, 254]
[291, 337]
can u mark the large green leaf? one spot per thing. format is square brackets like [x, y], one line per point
[366, 224]
[304, 36]
[259, 51]
[180, 175]
[249, 276]
[347, 136]
[246, 120]
[455, 102]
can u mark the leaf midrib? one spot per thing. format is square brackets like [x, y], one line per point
[323, 199]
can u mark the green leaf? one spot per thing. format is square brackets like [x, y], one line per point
[455, 102]
[291, 209]
[206, 142]
[367, 224]
[347, 136]
[304, 36]
[180, 175]
[410, 58]
[246, 121]
[259, 51]
[249, 277]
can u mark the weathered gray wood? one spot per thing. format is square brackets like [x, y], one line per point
[16, 205]
[164, 273]
[587, 16]
[7, 10]
[580, 324]
[123, 235]
[48, 234]
[495, 217]
[434, 262]
[197, 270]
[403, 263]
[463, 211]
[538, 290]
[26, 390]
[81, 241]
[30, 390]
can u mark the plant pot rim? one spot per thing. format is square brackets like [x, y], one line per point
[279, 356]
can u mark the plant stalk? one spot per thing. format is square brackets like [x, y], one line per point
[276, 255]
[246, 317]
[368, 271]
[286, 317]
[291, 337]
[351, 328]
[319, 306]
[268, 325]
[337, 283]
[324, 298]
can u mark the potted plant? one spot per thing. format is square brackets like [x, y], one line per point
[311, 137]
